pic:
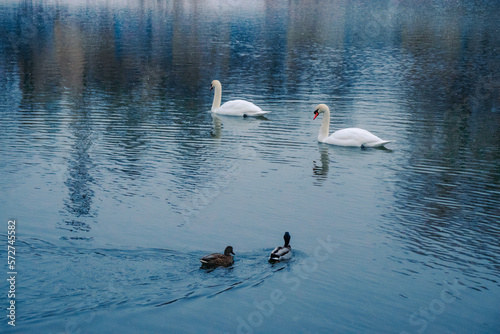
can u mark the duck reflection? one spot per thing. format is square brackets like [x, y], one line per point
[320, 170]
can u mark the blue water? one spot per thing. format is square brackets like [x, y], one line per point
[120, 179]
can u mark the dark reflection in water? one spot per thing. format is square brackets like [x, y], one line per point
[80, 169]
[449, 215]
[445, 199]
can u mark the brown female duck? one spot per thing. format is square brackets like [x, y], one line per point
[219, 260]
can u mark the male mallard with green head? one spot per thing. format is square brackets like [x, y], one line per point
[281, 253]
[219, 260]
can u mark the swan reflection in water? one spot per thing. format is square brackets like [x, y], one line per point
[320, 169]
[233, 124]
[217, 129]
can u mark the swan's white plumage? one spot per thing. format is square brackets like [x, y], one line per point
[345, 137]
[235, 107]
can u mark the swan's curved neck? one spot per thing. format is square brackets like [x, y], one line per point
[217, 97]
[325, 126]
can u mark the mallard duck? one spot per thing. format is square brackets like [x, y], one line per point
[281, 253]
[217, 259]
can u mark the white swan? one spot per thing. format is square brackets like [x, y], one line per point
[345, 137]
[235, 107]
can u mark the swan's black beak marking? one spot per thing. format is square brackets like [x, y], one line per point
[316, 113]
[211, 87]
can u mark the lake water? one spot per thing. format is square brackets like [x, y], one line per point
[119, 178]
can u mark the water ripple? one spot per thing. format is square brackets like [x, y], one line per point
[70, 280]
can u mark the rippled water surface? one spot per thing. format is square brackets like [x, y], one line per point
[120, 179]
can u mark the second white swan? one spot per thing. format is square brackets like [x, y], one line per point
[235, 107]
[345, 137]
